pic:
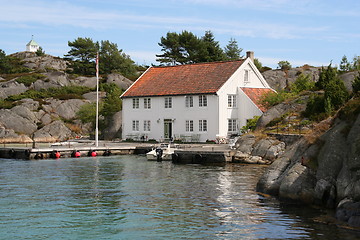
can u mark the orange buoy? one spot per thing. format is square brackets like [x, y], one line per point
[93, 154]
[57, 155]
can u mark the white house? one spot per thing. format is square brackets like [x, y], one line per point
[32, 46]
[195, 102]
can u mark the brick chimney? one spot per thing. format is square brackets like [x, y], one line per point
[250, 54]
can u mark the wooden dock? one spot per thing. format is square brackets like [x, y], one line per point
[187, 154]
[67, 152]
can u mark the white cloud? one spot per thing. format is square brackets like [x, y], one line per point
[23, 14]
[143, 57]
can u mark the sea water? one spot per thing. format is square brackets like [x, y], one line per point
[128, 197]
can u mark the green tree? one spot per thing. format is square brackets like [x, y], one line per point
[284, 65]
[83, 49]
[325, 76]
[335, 94]
[176, 51]
[302, 83]
[210, 50]
[40, 52]
[356, 84]
[258, 64]
[232, 50]
[87, 113]
[336, 91]
[112, 101]
[83, 53]
[113, 59]
[345, 66]
[10, 64]
[356, 63]
[4, 62]
[185, 48]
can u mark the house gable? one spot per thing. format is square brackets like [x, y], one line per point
[237, 79]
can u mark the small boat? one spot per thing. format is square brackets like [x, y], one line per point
[163, 152]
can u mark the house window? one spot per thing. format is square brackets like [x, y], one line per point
[189, 101]
[135, 125]
[231, 101]
[135, 103]
[147, 103]
[232, 125]
[147, 124]
[202, 125]
[247, 76]
[202, 101]
[189, 126]
[168, 102]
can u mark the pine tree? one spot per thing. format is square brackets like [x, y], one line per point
[345, 66]
[232, 50]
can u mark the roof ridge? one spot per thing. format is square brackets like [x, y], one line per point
[200, 63]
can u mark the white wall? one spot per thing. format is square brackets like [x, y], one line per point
[32, 48]
[245, 107]
[248, 109]
[179, 113]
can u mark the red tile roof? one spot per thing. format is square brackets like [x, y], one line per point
[255, 94]
[201, 78]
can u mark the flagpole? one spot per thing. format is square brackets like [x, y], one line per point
[97, 102]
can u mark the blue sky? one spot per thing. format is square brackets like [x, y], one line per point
[302, 32]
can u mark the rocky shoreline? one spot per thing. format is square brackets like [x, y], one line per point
[324, 173]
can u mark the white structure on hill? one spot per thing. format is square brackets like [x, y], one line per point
[32, 46]
[195, 102]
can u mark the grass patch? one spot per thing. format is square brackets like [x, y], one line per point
[63, 93]
[27, 80]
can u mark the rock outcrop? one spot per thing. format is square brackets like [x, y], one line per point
[42, 122]
[45, 120]
[114, 129]
[252, 150]
[282, 79]
[325, 172]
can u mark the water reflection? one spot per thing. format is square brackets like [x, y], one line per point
[127, 197]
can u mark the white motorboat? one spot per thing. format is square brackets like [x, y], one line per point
[163, 152]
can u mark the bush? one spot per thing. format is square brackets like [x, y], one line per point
[315, 108]
[302, 83]
[6, 104]
[356, 85]
[67, 92]
[273, 98]
[87, 113]
[250, 124]
[284, 65]
[27, 80]
[9, 65]
[351, 110]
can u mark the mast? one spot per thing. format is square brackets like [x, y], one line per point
[97, 102]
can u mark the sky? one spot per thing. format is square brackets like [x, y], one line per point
[314, 32]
